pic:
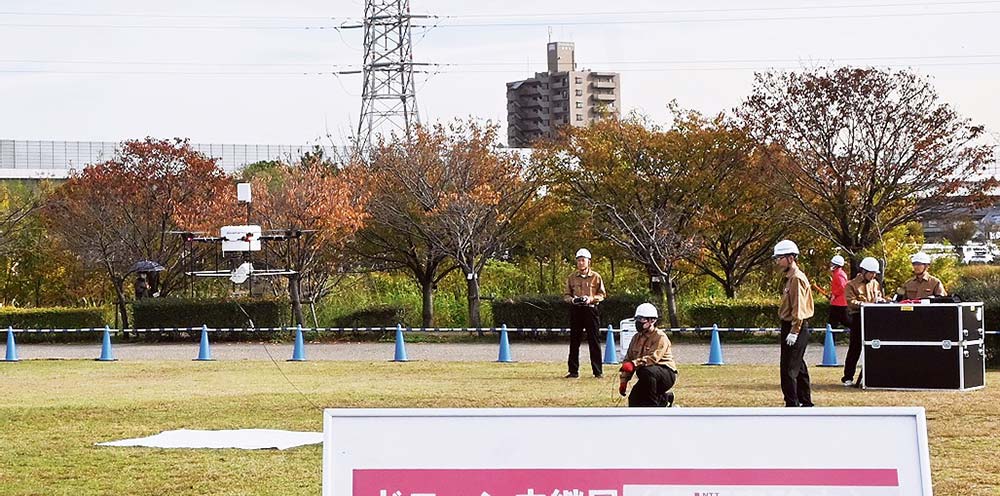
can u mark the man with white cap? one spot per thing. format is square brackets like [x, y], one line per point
[584, 291]
[864, 288]
[649, 358]
[794, 310]
[922, 285]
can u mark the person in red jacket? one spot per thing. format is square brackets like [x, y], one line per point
[838, 316]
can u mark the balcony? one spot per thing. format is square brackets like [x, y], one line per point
[603, 84]
[603, 97]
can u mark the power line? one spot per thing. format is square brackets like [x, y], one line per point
[722, 10]
[606, 22]
[443, 69]
[355, 66]
[505, 16]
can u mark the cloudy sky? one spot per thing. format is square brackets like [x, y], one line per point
[260, 72]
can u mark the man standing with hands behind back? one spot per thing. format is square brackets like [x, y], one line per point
[794, 310]
[584, 291]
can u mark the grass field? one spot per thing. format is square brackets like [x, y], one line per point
[52, 413]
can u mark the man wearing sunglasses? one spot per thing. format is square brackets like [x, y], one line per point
[649, 358]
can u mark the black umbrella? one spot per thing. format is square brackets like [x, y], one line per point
[146, 266]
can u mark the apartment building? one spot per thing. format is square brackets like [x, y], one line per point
[563, 96]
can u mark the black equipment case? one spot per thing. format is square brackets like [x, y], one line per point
[923, 346]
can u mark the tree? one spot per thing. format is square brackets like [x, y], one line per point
[742, 219]
[115, 213]
[18, 201]
[398, 235]
[315, 208]
[645, 188]
[467, 194]
[960, 232]
[861, 151]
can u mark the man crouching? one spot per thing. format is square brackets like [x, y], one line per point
[650, 359]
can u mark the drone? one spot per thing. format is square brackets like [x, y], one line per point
[239, 244]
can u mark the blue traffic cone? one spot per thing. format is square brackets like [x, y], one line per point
[829, 350]
[299, 352]
[610, 353]
[504, 356]
[204, 351]
[400, 345]
[106, 354]
[715, 351]
[11, 346]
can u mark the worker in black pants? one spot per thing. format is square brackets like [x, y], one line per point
[794, 310]
[584, 291]
[649, 357]
[864, 288]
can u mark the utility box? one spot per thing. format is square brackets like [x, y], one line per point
[923, 346]
[240, 238]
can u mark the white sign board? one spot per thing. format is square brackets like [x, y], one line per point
[627, 327]
[610, 452]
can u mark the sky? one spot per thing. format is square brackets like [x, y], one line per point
[260, 72]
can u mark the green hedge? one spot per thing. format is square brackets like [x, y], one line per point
[217, 313]
[745, 313]
[985, 288]
[381, 316]
[550, 311]
[53, 317]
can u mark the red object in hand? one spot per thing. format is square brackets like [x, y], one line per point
[628, 366]
[622, 387]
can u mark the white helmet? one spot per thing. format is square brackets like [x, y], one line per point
[837, 260]
[647, 310]
[921, 258]
[583, 252]
[785, 247]
[869, 264]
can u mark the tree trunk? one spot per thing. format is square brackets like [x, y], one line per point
[671, 299]
[122, 307]
[541, 275]
[294, 292]
[427, 289]
[473, 289]
[612, 280]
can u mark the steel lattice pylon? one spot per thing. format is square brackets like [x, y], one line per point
[388, 98]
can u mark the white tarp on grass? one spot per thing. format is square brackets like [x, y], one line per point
[238, 439]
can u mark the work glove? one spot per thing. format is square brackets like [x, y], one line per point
[791, 339]
[622, 387]
[628, 367]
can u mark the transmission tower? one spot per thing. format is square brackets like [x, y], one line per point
[388, 97]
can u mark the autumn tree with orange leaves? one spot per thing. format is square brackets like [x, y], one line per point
[469, 194]
[115, 213]
[316, 206]
[645, 188]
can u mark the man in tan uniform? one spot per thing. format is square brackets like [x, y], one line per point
[922, 285]
[649, 358]
[794, 310]
[864, 288]
[584, 291]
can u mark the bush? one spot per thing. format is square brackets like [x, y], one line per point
[216, 313]
[984, 285]
[53, 317]
[754, 313]
[380, 316]
[550, 311]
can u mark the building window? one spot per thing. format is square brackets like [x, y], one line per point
[579, 92]
[579, 117]
[579, 104]
[579, 80]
